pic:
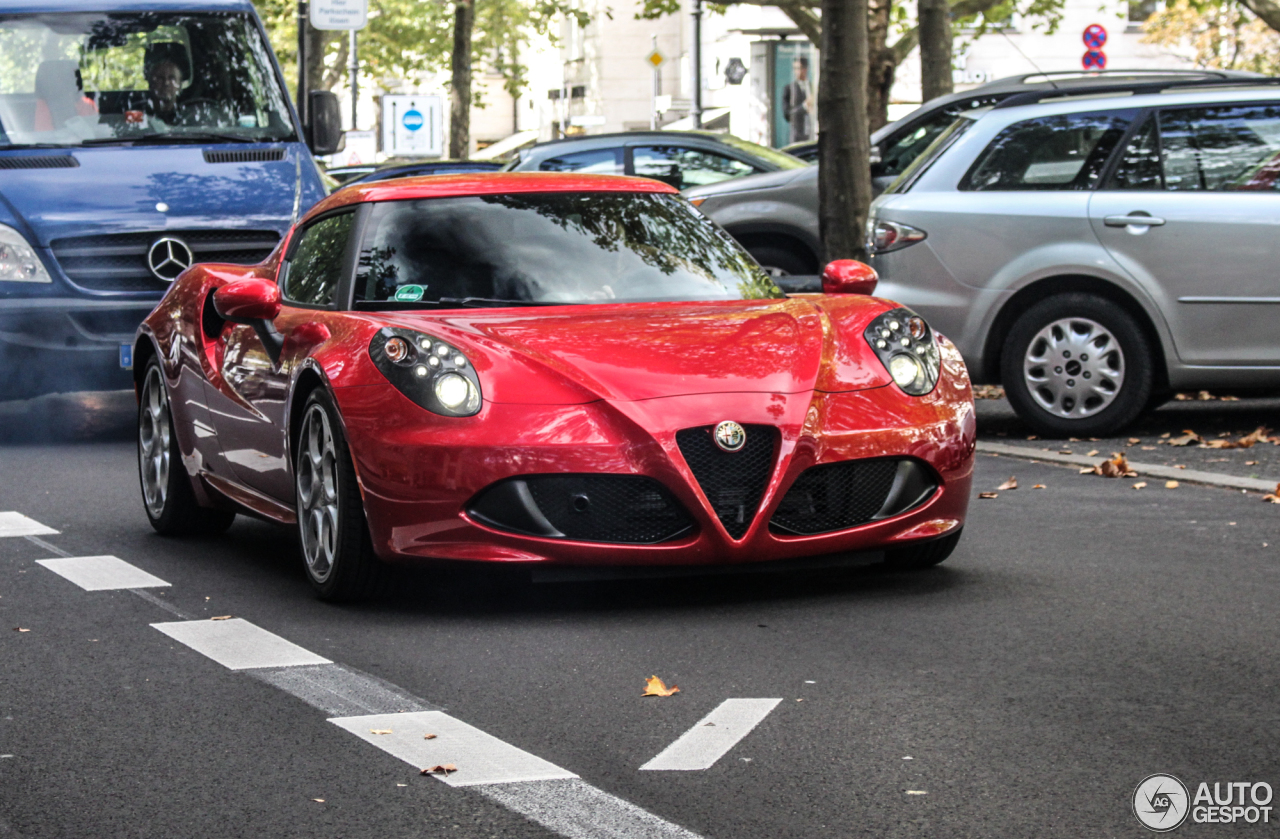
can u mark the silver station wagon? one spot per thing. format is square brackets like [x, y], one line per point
[1094, 255]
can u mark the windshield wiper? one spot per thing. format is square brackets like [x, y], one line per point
[183, 137]
[483, 302]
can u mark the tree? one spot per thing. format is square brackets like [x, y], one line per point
[464, 20]
[1223, 34]
[844, 144]
[935, 49]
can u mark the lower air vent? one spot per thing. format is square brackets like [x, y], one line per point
[621, 509]
[243, 156]
[42, 161]
[734, 482]
[835, 496]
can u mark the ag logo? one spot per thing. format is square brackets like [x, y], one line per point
[168, 258]
[1161, 803]
[730, 436]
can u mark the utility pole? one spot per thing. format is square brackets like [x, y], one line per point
[657, 86]
[302, 62]
[353, 67]
[697, 64]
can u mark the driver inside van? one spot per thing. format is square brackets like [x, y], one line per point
[164, 83]
[166, 68]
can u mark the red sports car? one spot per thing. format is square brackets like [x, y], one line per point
[545, 368]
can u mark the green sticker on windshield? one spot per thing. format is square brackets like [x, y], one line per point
[409, 293]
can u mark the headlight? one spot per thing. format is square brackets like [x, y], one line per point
[18, 260]
[884, 236]
[905, 345]
[433, 373]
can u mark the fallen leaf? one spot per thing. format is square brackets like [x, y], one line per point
[441, 769]
[1148, 448]
[1274, 496]
[402, 785]
[1166, 435]
[221, 618]
[1179, 466]
[1088, 470]
[1251, 463]
[1093, 453]
[655, 687]
[1229, 398]
[1170, 484]
[705, 724]
[1073, 439]
[1258, 435]
[1140, 485]
[320, 800]
[1038, 486]
[428, 737]
[1012, 483]
[1133, 441]
[1116, 467]
[1188, 438]
[20, 629]
[1032, 437]
[379, 731]
[1064, 451]
[988, 495]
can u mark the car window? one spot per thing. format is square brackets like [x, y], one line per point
[313, 273]
[896, 156]
[1139, 165]
[935, 150]
[1222, 148]
[1060, 152]
[595, 162]
[683, 167]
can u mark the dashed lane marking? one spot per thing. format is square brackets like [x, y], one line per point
[238, 645]
[340, 691]
[481, 758]
[16, 524]
[575, 809]
[101, 573]
[714, 735]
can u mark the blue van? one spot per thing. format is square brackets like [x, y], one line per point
[136, 137]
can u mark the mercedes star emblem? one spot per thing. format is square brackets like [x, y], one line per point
[730, 436]
[169, 257]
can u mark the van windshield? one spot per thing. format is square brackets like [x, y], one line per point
[95, 78]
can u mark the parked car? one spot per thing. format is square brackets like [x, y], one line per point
[546, 369]
[402, 168]
[136, 137]
[775, 216]
[682, 159]
[1094, 255]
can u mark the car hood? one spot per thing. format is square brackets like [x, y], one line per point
[628, 352]
[117, 189]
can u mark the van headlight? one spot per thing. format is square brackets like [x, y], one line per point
[18, 260]
[907, 348]
[434, 374]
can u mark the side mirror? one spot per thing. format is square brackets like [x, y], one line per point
[849, 276]
[253, 303]
[324, 133]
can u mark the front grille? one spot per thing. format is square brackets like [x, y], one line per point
[243, 156]
[734, 482]
[39, 161]
[609, 508]
[834, 496]
[118, 261]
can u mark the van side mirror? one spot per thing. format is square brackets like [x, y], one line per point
[253, 303]
[324, 133]
[849, 276]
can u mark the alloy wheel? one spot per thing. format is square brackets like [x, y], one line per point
[1074, 368]
[155, 443]
[318, 493]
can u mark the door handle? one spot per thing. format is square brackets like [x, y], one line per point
[1133, 218]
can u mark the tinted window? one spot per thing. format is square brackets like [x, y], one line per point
[897, 155]
[1231, 148]
[316, 267]
[1139, 166]
[597, 162]
[922, 162]
[684, 167]
[1059, 152]
[550, 248]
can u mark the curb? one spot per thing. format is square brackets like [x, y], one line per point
[1155, 470]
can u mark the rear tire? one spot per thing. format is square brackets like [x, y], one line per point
[922, 555]
[1077, 365]
[337, 552]
[167, 496]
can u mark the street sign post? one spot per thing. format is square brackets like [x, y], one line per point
[339, 14]
[654, 59]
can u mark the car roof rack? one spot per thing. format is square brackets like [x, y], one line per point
[1033, 97]
[1085, 75]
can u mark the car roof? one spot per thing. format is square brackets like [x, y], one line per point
[54, 6]
[485, 183]
[1012, 110]
[630, 136]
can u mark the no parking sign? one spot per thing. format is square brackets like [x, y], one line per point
[1095, 38]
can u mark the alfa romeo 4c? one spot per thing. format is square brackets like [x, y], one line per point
[545, 369]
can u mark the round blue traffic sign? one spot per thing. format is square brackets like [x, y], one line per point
[1094, 60]
[1095, 36]
[412, 120]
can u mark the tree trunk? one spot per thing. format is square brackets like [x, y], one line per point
[317, 42]
[464, 19]
[935, 48]
[844, 146]
[881, 63]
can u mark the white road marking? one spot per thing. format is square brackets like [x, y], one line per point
[340, 691]
[481, 758]
[16, 524]
[238, 645]
[577, 810]
[101, 573]
[714, 735]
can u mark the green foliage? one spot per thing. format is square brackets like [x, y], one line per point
[1222, 35]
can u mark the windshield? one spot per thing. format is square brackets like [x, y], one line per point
[550, 249]
[91, 78]
[778, 158]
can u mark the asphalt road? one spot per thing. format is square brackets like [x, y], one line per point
[1083, 636]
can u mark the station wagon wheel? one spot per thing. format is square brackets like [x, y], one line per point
[1077, 364]
[336, 549]
[167, 497]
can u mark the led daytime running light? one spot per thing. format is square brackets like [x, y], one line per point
[906, 346]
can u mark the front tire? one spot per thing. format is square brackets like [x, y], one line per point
[1077, 365]
[337, 552]
[167, 496]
